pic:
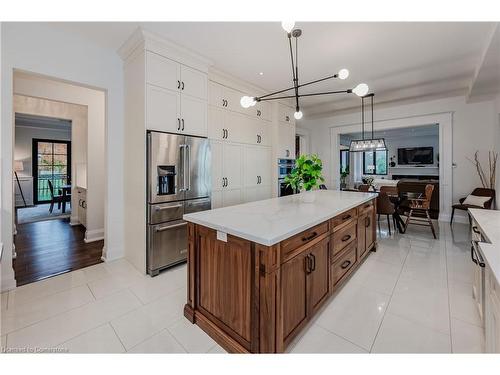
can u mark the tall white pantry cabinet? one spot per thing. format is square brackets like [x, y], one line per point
[169, 89]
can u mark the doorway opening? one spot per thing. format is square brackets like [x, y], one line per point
[59, 177]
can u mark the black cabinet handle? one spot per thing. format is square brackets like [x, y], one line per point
[347, 237]
[182, 124]
[310, 237]
[287, 153]
[178, 84]
[346, 264]
[178, 124]
[182, 85]
[287, 118]
[259, 112]
[472, 254]
[475, 230]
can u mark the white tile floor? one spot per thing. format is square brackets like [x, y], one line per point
[412, 295]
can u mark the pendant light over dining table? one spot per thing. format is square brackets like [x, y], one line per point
[249, 101]
[367, 144]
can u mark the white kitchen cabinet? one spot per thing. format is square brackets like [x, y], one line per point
[216, 199]
[492, 312]
[286, 141]
[227, 163]
[163, 109]
[225, 97]
[193, 116]
[231, 197]
[285, 114]
[257, 193]
[193, 83]
[257, 161]
[262, 111]
[176, 97]
[82, 206]
[162, 72]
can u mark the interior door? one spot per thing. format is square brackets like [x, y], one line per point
[197, 167]
[51, 162]
[318, 278]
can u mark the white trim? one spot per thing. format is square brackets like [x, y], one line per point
[94, 235]
[445, 122]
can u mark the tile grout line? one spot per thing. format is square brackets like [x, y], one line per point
[390, 299]
[449, 295]
[117, 336]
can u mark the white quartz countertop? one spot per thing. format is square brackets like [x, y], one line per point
[270, 221]
[489, 224]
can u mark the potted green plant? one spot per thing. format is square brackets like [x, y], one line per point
[306, 176]
[343, 178]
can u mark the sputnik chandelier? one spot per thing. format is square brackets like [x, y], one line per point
[249, 101]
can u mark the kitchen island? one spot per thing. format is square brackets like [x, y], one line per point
[258, 272]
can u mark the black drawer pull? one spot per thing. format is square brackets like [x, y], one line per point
[346, 217]
[346, 264]
[308, 238]
[347, 237]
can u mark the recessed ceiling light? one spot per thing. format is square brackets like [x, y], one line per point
[261, 73]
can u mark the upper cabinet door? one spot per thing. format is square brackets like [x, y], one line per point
[285, 114]
[262, 111]
[233, 98]
[216, 128]
[193, 82]
[215, 94]
[162, 72]
[162, 110]
[193, 116]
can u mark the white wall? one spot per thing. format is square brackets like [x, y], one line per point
[37, 48]
[24, 141]
[473, 129]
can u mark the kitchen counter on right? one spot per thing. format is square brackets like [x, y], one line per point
[488, 222]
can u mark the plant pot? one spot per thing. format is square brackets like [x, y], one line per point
[307, 196]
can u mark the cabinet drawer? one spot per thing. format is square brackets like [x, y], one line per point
[341, 220]
[343, 263]
[365, 207]
[290, 244]
[344, 237]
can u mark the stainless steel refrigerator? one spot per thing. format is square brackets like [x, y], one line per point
[178, 182]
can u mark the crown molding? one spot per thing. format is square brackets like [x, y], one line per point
[145, 39]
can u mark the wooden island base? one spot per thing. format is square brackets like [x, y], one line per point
[252, 298]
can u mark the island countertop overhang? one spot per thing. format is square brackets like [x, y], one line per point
[270, 221]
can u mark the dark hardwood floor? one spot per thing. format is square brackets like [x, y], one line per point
[48, 248]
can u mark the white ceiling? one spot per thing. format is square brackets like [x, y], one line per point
[399, 61]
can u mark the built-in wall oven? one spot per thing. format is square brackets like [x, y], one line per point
[178, 182]
[285, 166]
[479, 280]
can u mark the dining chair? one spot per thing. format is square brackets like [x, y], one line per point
[419, 210]
[385, 207]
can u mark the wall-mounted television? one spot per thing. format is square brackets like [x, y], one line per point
[415, 155]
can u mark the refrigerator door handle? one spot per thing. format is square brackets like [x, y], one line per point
[182, 151]
[187, 167]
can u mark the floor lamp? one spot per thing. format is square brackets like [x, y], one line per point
[19, 167]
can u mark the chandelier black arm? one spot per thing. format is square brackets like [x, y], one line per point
[299, 86]
[304, 95]
[296, 74]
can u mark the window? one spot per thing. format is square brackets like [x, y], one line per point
[344, 160]
[51, 162]
[375, 162]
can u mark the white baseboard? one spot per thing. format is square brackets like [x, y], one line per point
[74, 221]
[94, 235]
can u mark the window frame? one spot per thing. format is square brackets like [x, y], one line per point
[375, 172]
